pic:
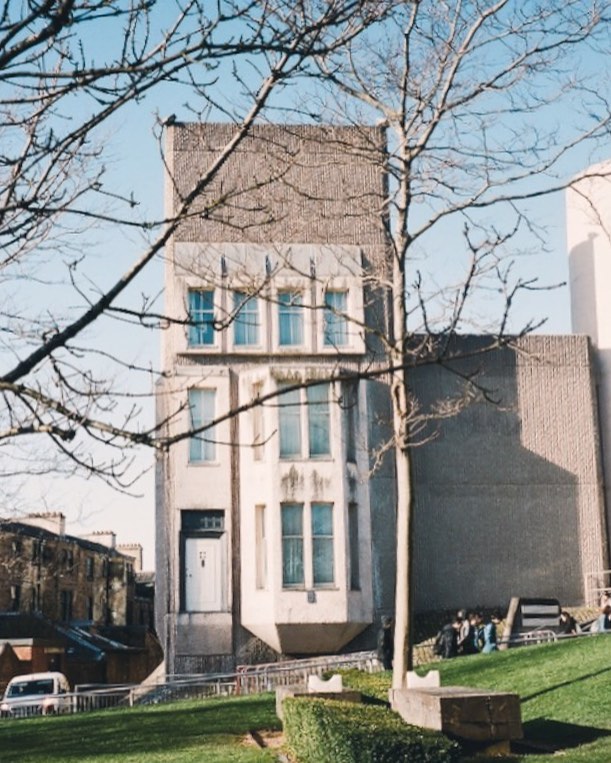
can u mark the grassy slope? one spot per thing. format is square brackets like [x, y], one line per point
[192, 731]
[565, 690]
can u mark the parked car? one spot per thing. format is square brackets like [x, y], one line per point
[36, 694]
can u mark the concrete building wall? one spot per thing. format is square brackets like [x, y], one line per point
[588, 216]
[509, 496]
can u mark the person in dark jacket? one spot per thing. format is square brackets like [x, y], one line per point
[385, 643]
[567, 625]
[467, 635]
[446, 643]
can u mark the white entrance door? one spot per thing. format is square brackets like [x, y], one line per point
[203, 575]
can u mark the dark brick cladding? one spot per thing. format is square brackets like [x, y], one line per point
[276, 186]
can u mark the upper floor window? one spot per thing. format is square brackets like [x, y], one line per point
[201, 315]
[202, 447]
[335, 319]
[290, 318]
[246, 320]
[317, 398]
[89, 568]
[289, 423]
[313, 438]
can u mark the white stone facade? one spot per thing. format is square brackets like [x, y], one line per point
[227, 578]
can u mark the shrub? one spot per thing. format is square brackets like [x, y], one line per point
[328, 731]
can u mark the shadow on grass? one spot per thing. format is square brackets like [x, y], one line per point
[138, 731]
[564, 684]
[546, 735]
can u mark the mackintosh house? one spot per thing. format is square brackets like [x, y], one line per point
[276, 527]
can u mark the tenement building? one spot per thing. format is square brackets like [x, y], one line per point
[275, 527]
[64, 577]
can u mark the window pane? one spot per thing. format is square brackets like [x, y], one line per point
[336, 325]
[260, 548]
[349, 405]
[292, 544]
[201, 312]
[256, 413]
[246, 323]
[322, 543]
[202, 447]
[289, 424]
[353, 533]
[290, 318]
[318, 419]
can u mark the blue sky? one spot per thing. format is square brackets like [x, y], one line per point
[134, 166]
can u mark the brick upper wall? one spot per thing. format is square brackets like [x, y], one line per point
[293, 184]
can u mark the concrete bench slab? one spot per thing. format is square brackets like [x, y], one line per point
[475, 714]
[432, 679]
[317, 684]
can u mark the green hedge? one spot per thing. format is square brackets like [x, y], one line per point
[328, 731]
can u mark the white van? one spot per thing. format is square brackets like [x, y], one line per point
[36, 694]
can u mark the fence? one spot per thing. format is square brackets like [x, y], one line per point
[247, 679]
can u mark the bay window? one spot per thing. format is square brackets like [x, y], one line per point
[304, 422]
[307, 562]
[322, 543]
[318, 420]
[292, 544]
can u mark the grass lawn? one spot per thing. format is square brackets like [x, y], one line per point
[565, 689]
[204, 730]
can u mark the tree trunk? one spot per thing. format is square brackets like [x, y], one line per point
[402, 658]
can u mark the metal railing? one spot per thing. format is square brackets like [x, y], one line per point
[247, 679]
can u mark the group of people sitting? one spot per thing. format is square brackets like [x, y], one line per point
[468, 633]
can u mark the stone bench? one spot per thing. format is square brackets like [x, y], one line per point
[478, 715]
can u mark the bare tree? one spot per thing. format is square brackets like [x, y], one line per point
[476, 99]
[67, 71]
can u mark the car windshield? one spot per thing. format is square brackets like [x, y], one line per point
[31, 688]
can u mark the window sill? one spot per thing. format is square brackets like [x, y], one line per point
[305, 589]
[306, 459]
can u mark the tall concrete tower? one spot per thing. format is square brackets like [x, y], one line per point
[588, 218]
